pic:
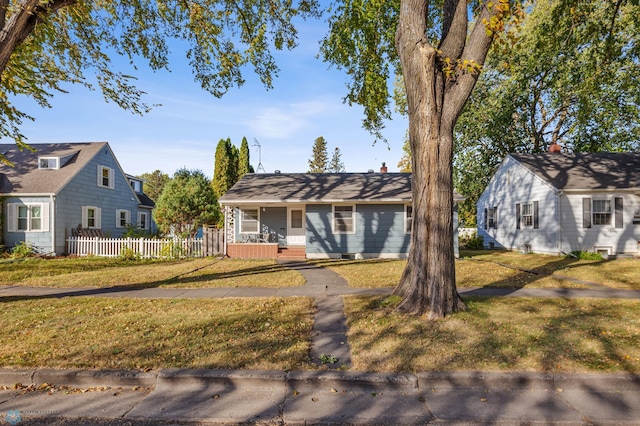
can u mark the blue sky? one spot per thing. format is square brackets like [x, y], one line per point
[306, 102]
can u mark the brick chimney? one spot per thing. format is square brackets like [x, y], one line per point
[383, 169]
[554, 148]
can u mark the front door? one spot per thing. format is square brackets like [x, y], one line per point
[295, 227]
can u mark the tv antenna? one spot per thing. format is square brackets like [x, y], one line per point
[260, 167]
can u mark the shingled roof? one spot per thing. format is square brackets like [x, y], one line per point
[320, 187]
[585, 171]
[26, 178]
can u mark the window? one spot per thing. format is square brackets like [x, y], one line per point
[491, 218]
[296, 219]
[527, 214]
[48, 163]
[408, 219]
[136, 185]
[249, 220]
[105, 177]
[122, 218]
[343, 219]
[91, 217]
[27, 217]
[601, 212]
[143, 220]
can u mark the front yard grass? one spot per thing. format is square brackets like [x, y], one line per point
[82, 332]
[498, 334]
[104, 272]
[499, 269]
[494, 334]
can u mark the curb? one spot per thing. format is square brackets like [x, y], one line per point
[275, 378]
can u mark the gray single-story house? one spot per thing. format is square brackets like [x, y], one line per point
[320, 215]
[66, 188]
[556, 203]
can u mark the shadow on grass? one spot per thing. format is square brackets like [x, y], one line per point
[171, 283]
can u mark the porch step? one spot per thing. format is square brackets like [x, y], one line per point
[292, 253]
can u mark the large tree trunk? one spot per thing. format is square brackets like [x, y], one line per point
[18, 26]
[434, 100]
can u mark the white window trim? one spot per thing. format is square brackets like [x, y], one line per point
[97, 217]
[12, 217]
[146, 221]
[333, 218]
[594, 212]
[111, 177]
[523, 223]
[127, 219]
[257, 231]
[57, 160]
[407, 229]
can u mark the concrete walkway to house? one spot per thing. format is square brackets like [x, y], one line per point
[332, 395]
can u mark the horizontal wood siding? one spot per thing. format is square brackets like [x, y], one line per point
[379, 230]
[620, 240]
[512, 184]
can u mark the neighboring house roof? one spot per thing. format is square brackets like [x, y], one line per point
[321, 187]
[585, 171]
[26, 178]
[145, 200]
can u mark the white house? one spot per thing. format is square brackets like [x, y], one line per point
[556, 203]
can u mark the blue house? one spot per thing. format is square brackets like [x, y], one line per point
[65, 189]
[320, 215]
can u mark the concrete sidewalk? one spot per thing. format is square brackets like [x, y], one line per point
[319, 397]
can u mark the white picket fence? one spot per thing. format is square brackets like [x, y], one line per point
[143, 247]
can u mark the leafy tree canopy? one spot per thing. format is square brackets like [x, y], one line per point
[187, 202]
[153, 183]
[572, 78]
[44, 44]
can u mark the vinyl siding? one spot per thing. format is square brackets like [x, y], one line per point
[38, 239]
[379, 231]
[512, 184]
[83, 190]
[619, 240]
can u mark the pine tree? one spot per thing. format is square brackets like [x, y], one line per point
[244, 166]
[336, 165]
[318, 162]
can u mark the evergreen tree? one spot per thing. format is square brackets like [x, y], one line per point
[224, 173]
[319, 157]
[244, 166]
[336, 165]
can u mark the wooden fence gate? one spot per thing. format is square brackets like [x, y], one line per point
[212, 241]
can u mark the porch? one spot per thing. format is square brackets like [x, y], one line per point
[265, 251]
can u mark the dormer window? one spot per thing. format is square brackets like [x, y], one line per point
[48, 163]
[136, 185]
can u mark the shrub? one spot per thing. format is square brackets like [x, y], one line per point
[129, 254]
[22, 250]
[472, 242]
[585, 255]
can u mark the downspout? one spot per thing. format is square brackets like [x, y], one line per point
[52, 219]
